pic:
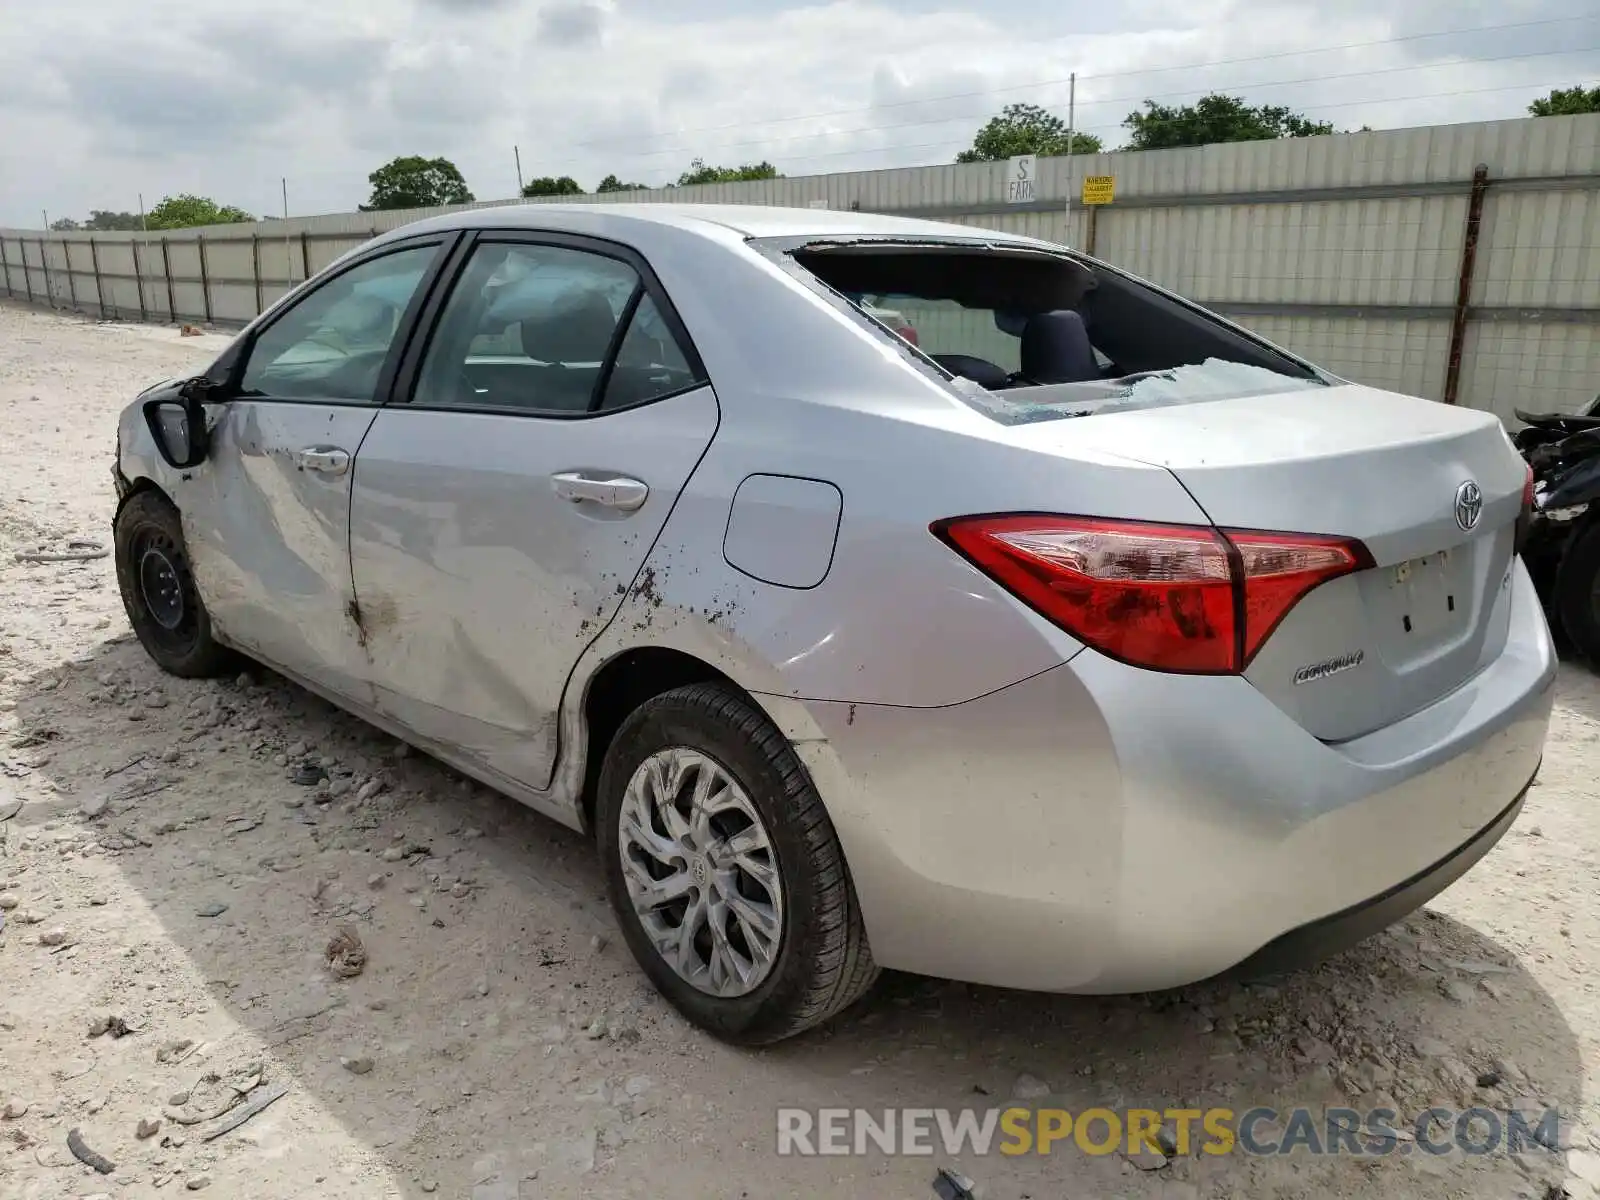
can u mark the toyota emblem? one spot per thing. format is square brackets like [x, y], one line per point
[1469, 504]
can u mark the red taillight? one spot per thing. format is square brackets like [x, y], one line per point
[1525, 517]
[1168, 597]
[909, 334]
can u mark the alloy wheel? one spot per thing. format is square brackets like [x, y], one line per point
[700, 872]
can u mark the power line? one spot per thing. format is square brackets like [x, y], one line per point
[1130, 98]
[1222, 62]
[946, 143]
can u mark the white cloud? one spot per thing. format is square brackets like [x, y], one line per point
[113, 100]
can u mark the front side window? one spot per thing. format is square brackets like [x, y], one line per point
[332, 344]
[534, 328]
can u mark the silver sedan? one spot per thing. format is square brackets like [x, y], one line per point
[878, 593]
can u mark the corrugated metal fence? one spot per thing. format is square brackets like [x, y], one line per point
[1460, 262]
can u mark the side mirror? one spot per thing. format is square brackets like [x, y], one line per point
[179, 429]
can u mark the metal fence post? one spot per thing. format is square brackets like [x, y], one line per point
[5, 267]
[44, 265]
[255, 269]
[99, 288]
[72, 286]
[1469, 254]
[305, 255]
[27, 280]
[166, 269]
[205, 277]
[138, 274]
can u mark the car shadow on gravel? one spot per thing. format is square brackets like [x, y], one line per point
[494, 986]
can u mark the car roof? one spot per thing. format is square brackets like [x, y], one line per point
[748, 220]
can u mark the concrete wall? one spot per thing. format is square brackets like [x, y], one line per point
[1347, 249]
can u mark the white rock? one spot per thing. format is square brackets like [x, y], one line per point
[1030, 1087]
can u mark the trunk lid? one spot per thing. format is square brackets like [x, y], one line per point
[1367, 649]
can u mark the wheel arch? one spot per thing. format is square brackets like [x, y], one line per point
[138, 486]
[620, 685]
[630, 677]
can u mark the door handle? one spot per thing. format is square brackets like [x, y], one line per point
[618, 491]
[329, 460]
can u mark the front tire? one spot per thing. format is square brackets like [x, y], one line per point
[1578, 593]
[159, 593]
[724, 870]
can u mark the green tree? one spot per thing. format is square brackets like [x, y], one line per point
[612, 184]
[65, 225]
[101, 219]
[412, 181]
[1565, 102]
[1025, 129]
[187, 211]
[547, 185]
[1215, 118]
[698, 172]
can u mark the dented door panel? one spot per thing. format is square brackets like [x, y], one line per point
[268, 537]
[482, 573]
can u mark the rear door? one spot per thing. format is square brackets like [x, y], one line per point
[500, 515]
[268, 521]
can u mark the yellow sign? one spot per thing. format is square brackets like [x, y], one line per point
[1097, 189]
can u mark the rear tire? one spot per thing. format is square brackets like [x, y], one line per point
[1578, 593]
[768, 853]
[159, 593]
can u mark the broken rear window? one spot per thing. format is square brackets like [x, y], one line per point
[1031, 335]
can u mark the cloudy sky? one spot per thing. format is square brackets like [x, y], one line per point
[101, 100]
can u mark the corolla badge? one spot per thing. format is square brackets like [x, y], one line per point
[1469, 504]
[1331, 666]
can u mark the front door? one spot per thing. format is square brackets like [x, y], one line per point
[499, 517]
[268, 530]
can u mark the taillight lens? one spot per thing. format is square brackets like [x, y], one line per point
[1525, 517]
[1181, 598]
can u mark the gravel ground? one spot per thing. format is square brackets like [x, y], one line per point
[163, 876]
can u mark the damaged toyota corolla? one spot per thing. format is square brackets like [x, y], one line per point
[1082, 641]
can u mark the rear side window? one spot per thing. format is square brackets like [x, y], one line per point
[1044, 335]
[549, 329]
[649, 363]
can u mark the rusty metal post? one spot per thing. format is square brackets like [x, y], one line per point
[72, 287]
[138, 275]
[5, 267]
[255, 269]
[99, 287]
[1093, 227]
[1469, 255]
[205, 277]
[166, 269]
[44, 265]
[305, 255]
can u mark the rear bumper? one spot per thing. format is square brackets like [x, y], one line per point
[1329, 935]
[1102, 829]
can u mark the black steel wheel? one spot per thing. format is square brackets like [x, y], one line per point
[158, 590]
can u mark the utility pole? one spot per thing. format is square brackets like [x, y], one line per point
[288, 258]
[1072, 120]
[518, 152]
